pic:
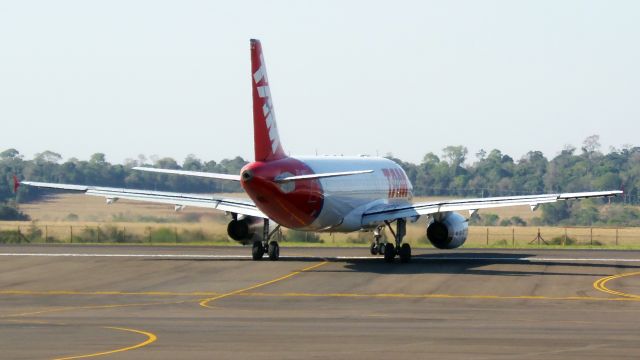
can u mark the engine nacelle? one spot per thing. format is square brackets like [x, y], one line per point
[447, 230]
[245, 230]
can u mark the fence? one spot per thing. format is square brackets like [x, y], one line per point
[499, 236]
[493, 236]
[132, 233]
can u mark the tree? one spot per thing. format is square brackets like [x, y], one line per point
[555, 212]
[48, 156]
[10, 154]
[455, 155]
[12, 214]
[98, 158]
[191, 162]
[591, 144]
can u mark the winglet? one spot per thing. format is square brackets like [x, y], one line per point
[265, 131]
[16, 184]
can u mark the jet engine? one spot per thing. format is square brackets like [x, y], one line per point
[447, 230]
[245, 229]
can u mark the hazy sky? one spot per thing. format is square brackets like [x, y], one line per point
[347, 77]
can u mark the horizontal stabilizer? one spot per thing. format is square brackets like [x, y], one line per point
[190, 173]
[321, 176]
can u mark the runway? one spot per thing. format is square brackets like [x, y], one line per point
[149, 302]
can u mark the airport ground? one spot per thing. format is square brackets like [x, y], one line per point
[144, 302]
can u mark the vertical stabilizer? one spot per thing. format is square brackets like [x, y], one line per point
[265, 131]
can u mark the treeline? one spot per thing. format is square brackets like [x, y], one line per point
[451, 174]
[49, 167]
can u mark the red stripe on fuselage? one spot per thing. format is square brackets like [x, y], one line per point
[294, 204]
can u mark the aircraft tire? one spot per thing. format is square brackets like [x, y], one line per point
[257, 251]
[274, 251]
[381, 248]
[405, 253]
[373, 248]
[389, 252]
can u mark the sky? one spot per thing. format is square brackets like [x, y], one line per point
[172, 78]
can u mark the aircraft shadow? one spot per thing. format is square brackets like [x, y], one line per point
[442, 263]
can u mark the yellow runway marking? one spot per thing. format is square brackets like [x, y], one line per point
[442, 296]
[150, 339]
[600, 285]
[205, 302]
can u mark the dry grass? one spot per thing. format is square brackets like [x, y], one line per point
[94, 209]
[215, 232]
[51, 218]
[91, 208]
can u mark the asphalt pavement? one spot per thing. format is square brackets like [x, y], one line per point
[151, 302]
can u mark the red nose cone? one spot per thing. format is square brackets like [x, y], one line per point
[294, 204]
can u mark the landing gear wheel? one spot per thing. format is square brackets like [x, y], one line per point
[257, 251]
[274, 250]
[373, 248]
[389, 252]
[405, 253]
[381, 248]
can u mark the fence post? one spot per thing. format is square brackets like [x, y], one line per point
[124, 234]
[487, 236]
[591, 236]
[175, 233]
[616, 236]
[46, 234]
[150, 231]
[71, 234]
[564, 241]
[98, 231]
[513, 236]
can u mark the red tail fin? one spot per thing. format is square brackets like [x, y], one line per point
[16, 184]
[265, 131]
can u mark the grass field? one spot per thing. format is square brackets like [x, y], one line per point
[93, 208]
[80, 218]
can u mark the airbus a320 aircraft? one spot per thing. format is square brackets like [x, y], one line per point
[320, 194]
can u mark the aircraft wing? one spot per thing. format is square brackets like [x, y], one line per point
[208, 175]
[388, 212]
[238, 206]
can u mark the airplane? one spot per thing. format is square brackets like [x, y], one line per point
[320, 193]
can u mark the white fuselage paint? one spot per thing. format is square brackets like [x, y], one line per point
[346, 198]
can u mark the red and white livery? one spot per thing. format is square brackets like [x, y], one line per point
[322, 193]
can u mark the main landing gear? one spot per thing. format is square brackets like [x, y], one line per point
[389, 250]
[271, 248]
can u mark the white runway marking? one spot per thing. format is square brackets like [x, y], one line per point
[244, 257]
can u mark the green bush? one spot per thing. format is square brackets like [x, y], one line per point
[302, 236]
[559, 240]
[105, 234]
[10, 213]
[11, 236]
[166, 235]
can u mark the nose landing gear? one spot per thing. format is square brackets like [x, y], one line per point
[377, 246]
